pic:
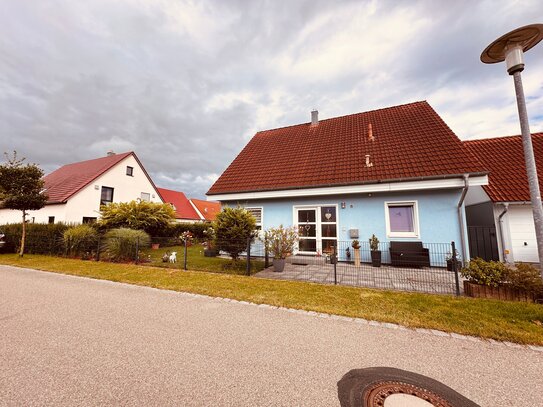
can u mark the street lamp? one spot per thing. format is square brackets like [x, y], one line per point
[511, 47]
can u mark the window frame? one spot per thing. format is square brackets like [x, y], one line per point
[416, 228]
[51, 220]
[261, 223]
[102, 193]
[129, 171]
[318, 224]
[145, 193]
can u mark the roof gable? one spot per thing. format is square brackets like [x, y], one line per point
[183, 208]
[69, 179]
[504, 158]
[396, 143]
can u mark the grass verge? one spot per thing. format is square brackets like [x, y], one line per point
[198, 262]
[500, 320]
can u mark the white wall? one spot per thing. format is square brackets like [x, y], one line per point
[521, 237]
[86, 203]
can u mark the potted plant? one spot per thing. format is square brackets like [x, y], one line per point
[450, 260]
[375, 252]
[210, 250]
[356, 250]
[280, 243]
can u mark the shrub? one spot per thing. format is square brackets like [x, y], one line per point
[525, 277]
[280, 241]
[41, 238]
[233, 226]
[123, 244]
[138, 215]
[197, 229]
[80, 239]
[490, 273]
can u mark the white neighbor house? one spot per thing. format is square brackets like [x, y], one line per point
[77, 190]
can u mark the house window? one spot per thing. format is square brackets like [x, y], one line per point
[257, 213]
[51, 219]
[89, 219]
[145, 196]
[402, 219]
[130, 171]
[107, 195]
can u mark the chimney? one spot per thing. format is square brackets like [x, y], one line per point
[110, 153]
[370, 132]
[314, 117]
[368, 161]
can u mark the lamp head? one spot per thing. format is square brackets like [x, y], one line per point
[511, 46]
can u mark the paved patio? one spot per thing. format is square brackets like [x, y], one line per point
[435, 280]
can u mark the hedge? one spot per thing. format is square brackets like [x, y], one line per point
[41, 238]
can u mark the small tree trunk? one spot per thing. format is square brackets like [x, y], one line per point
[23, 236]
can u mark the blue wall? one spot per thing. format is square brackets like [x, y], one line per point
[437, 212]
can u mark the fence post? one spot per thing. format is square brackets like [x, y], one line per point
[455, 268]
[334, 261]
[137, 249]
[185, 253]
[98, 249]
[248, 267]
[266, 256]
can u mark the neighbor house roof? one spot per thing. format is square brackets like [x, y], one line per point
[71, 178]
[183, 208]
[504, 158]
[208, 209]
[399, 143]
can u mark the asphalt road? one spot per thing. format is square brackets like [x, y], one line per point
[75, 341]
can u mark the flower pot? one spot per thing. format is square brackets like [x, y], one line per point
[278, 265]
[356, 257]
[450, 266]
[376, 258]
[210, 253]
[155, 246]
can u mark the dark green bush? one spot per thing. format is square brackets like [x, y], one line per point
[524, 276]
[123, 244]
[41, 238]
[176, 229]
[80, 239]
[490, 273]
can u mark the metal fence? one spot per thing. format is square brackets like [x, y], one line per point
[403, 266]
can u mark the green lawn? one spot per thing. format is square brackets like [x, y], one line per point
[197, 261]
[501, 320]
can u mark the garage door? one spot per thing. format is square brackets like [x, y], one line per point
[521, 226]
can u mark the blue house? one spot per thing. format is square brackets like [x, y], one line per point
[399, 173]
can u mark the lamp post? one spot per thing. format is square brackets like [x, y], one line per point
[511, 47]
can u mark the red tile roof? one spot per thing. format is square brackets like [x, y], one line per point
[183, 208]
[71, 178]
[409, 141]
[208, 209]
[504, 158]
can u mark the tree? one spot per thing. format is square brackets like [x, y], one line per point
[21, 188]
[141, 215]
[233, 226]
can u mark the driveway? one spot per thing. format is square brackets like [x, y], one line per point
[74, 341]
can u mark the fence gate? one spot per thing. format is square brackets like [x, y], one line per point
[483, 242]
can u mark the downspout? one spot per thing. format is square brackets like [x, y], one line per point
[502, 241]
[461, 218]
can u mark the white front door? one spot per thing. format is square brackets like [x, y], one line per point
[317, 228]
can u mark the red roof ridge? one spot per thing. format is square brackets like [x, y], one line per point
[498, 139]
[344, 116]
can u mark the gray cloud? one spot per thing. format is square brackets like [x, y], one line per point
[186, 84]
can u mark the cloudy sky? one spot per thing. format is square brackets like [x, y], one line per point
[185, 84]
